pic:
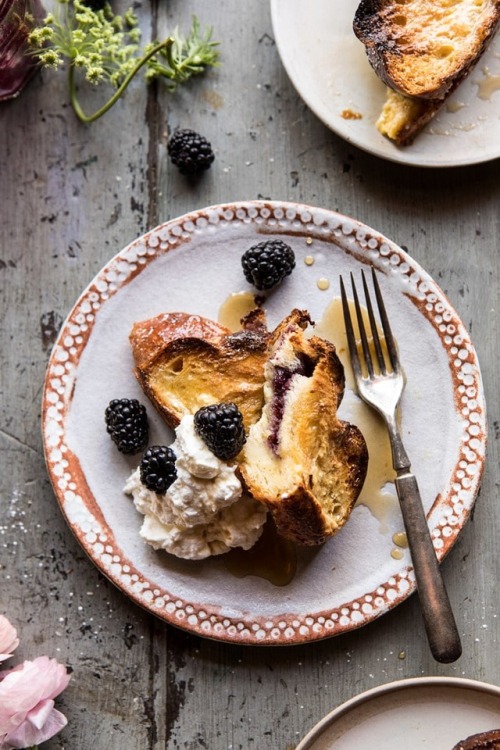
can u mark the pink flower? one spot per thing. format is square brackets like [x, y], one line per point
[27, 713]
[8, 638]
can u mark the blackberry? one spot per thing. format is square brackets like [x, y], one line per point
[267, 263]
[157, 469]
[221, 427]
[95, 5]
[127, 424]
[190, 152]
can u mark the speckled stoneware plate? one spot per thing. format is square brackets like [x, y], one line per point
[192, 264]
[328, 66]
[423, 712]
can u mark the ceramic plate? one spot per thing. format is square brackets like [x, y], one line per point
[424, 712]
[329, 68]
[192, 264]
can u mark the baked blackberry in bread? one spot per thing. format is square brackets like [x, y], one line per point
[304, 463]
[184, 362]
[422, 48]
[482, 741]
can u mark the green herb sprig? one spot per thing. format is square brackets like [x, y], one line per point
[185, 57]
[105, 47]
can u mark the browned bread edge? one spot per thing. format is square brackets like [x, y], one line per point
[483, 741]
[300, 513]
[161, 340]
[380, 40]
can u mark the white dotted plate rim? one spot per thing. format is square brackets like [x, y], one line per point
[446, 518]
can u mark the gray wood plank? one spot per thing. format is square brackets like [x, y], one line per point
[71, 196]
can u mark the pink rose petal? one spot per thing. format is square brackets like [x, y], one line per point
[27, 692]
[27, 735]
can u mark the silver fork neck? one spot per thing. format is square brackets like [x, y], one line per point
[400, 459]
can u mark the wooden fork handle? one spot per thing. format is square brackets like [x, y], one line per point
[439, 621]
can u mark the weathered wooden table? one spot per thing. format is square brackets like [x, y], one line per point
[74, 195]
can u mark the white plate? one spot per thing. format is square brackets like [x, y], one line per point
[192, 264]
[328, 66]
[426, 712]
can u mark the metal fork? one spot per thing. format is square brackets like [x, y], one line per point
[380, 383]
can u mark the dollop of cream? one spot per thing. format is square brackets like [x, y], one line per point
[204, 512]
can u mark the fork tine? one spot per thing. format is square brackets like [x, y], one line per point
[362, 331]
[351, 339]
[389, 339]
[373, 326]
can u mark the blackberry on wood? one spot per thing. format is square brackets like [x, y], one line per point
[127, 424]
[95, 5]
[267, 263]
[190, 152]
[157, 469]
[221, 427]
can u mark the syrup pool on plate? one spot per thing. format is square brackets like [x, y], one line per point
[272, 557]
[234, 309]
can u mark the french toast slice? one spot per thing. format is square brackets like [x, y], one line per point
[424, 48]
[184, 362]
[304, 463]
[482, 741]
[300, 460]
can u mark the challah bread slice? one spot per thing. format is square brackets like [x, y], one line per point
[482, 741]
[424, 48]
[184, 362]
[304, 463]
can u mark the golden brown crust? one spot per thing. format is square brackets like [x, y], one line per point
[422, 48]
[482, 741]
[300, 516]
[305, 464]
[149, 338]
[186, 361]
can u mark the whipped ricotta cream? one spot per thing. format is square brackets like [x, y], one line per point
[204, 512]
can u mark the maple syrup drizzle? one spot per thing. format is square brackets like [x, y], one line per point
[400, 539]
[272, 557]
[488, 85]
[234, 309]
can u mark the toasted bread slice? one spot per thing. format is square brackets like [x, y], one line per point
[424, 48]
[483, 741]
[184, 362]
[403, 118]
[304, 463]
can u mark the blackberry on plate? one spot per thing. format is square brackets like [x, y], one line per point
[190, 152]
[221, 427]
[267, 263]
[127, 424]
[157, 469]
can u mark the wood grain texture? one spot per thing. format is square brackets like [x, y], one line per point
[71, 196]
